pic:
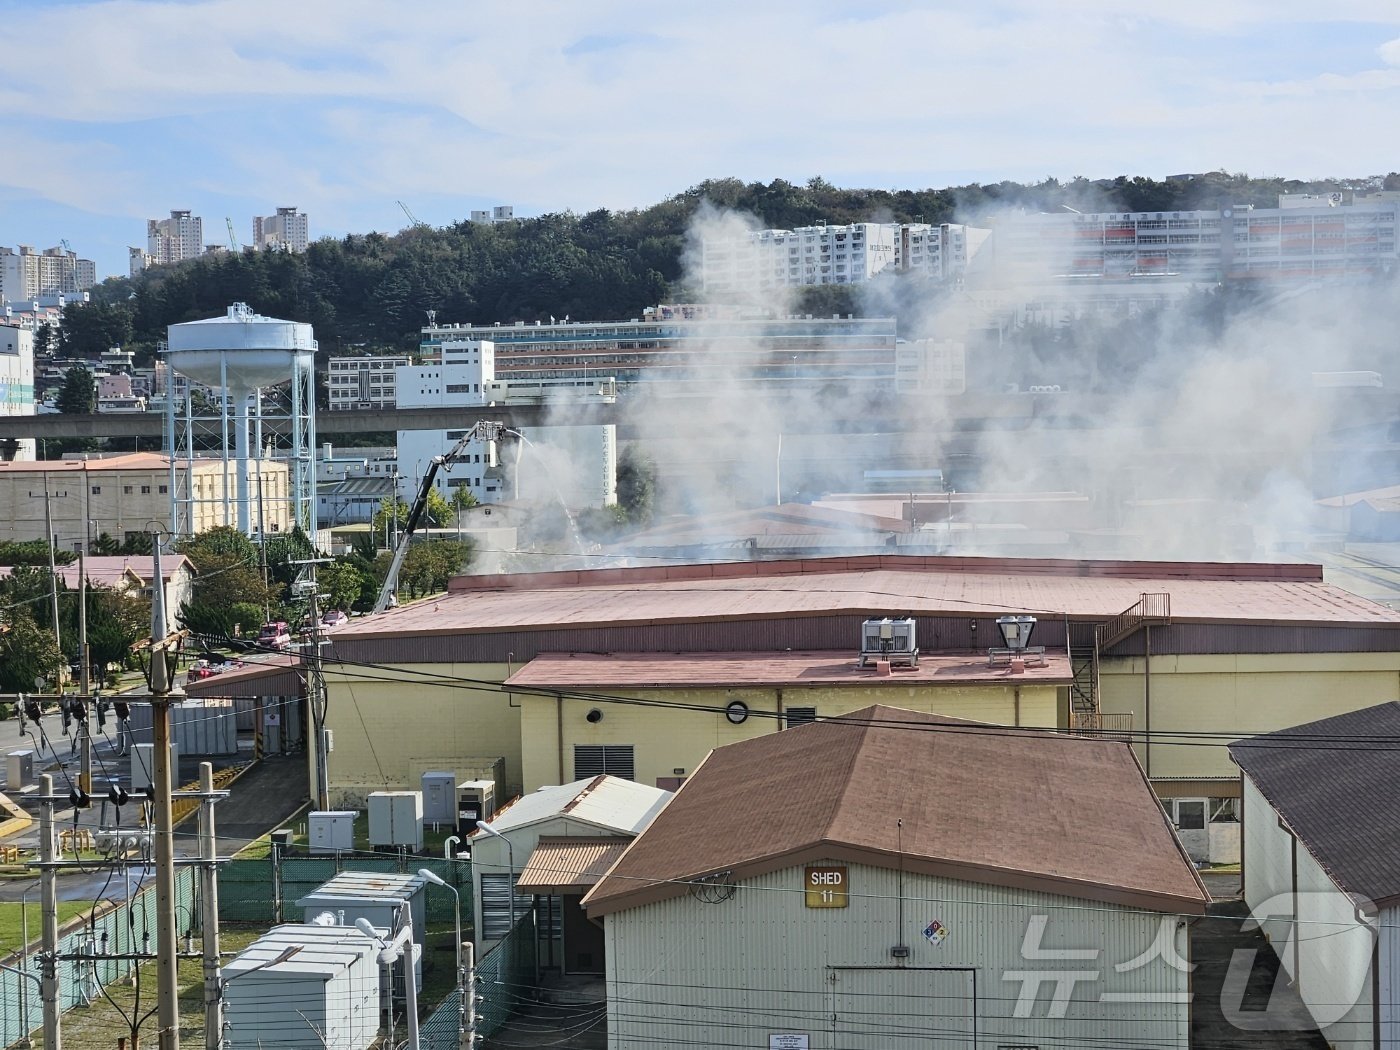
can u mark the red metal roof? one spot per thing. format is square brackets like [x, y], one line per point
[1207, 592]
[1027, 809]
[279, 675]
[671, 670]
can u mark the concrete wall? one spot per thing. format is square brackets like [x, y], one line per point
[666, 740]
[389, 727]
[1243, 694]
[762, 963]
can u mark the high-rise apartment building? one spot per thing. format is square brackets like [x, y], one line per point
[27, 275]
[813, 255]
[287, 231]
[174, 239]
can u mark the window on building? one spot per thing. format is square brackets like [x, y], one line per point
[796, 716]
[164, 488]
[97, 490]
[591, 760]
[145, 490]
[126, 490]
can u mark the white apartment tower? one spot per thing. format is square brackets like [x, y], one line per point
[174, 239]
[850, 254]
[26, 275]
[287, 231]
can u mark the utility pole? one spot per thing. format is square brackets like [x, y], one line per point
[468, 979]
[48, 903]
[316, 689]
[167, 946]
[84, 681]
[213, 977]
[53, 575]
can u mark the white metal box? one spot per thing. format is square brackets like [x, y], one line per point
[333, 979]
[19, 769]
[331, 831]
[396, 819]
[476, 800]
[143, 767]
[439, 801]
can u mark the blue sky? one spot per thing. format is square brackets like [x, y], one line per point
[115, 112]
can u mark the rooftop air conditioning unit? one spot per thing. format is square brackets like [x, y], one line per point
[889, 639]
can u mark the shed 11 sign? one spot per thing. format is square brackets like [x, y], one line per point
[826, 886]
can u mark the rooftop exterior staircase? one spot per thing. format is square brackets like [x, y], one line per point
[1087, 643]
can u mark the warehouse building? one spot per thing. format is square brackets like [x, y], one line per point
[892, 879]
[1322, 866]
[532, 669]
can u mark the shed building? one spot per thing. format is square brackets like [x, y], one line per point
[894, 879]
[562, 840]
[1322, 866]
[303, 986]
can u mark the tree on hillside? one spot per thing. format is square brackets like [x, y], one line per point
[78, 394]
[92, 327]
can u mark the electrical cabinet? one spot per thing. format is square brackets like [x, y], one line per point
[331, 831]
[396, 819]
[439, 797]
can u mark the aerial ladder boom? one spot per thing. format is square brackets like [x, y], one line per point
[481, 431]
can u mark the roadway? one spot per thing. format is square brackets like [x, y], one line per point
[827, 411]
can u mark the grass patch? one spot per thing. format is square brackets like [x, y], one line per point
[101, 1024]
[12, 916]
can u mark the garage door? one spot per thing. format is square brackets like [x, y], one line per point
[899, 1009]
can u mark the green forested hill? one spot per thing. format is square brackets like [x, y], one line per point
[373, 290]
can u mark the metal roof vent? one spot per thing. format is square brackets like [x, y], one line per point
[1017, 653]
[891, 640]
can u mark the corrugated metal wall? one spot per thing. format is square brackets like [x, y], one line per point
[685, 972]
[842, 632]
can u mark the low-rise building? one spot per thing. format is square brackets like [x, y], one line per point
[1161, 653]
[894, 879]
[1322, 866]
[673, 347]
[560, 839]
[120, 495]
[131, 574]
[363, 382]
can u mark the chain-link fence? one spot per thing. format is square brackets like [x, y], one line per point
[504, 976]
[119, 928]
[259, 891]
[442, 1030]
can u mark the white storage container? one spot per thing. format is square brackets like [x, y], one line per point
[325, 994]
[439, 803]
[331, 831]
[386, 899]
[143, 768]
[396, 819]
[19, 769]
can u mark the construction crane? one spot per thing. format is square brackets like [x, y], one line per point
[417, 222]
[480, 431]
[232, 237]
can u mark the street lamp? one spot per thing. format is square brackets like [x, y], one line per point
[486, 828]
[438, 880]
[401, 947]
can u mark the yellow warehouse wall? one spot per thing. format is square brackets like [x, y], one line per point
[387, 732]
[1242, 694]
[666, 740]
